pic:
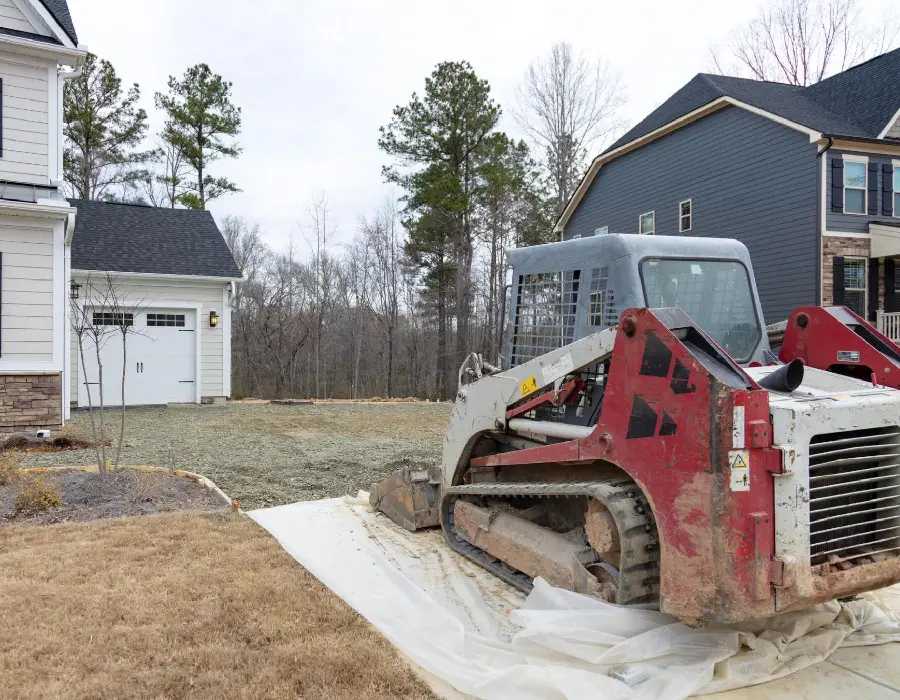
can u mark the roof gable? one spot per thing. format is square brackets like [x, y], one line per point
[133, 238]
[868, 95]
[59, 10]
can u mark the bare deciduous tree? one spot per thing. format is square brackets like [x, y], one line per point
[804, 41]
[318, 234]
[382, 236]
[568, 105]
[103, 296]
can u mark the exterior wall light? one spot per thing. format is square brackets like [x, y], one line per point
[213, 319]
[74, 290]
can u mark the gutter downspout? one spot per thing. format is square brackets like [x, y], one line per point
[820, 217]
[68, 232]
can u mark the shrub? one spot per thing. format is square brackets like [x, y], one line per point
[35, 494]
[9, 469]
[144, 485]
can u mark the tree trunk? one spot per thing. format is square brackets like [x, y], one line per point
[122, 422]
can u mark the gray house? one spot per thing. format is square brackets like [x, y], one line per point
[807, 178]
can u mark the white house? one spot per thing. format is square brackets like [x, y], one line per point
[38, 52]
[174, 264]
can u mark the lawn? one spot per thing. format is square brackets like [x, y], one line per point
[179, 606]
[265, 454]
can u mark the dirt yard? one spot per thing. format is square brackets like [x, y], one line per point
[265, 455]
[210, 605]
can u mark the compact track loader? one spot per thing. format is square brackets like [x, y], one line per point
[641, 443]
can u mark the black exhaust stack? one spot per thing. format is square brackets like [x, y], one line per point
[786, 378]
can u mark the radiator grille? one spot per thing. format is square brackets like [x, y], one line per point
[854, 495]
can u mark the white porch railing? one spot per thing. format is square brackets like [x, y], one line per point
[889, 324]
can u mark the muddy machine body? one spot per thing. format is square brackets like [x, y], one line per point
[642, 443]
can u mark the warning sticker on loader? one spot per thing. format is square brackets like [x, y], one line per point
[558, 369]
[529, 386]
[739, 464]
[848, 356]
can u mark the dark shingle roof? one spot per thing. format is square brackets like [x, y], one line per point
[868, 94]
[858, 102]
[152, 240]
[60, 11]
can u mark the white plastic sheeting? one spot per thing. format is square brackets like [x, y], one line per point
[489, 641]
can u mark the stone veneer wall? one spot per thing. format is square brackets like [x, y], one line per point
[30, 401]
[833, 246]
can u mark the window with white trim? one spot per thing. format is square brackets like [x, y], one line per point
[855, 285]
[601, 231]
[897, 190]
[855, 183]
[647, 223]
[685, 215]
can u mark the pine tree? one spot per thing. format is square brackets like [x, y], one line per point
[439, 143]
[102, 129]
[201, 125]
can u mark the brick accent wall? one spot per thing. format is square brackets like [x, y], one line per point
[30, 402]
[838, 246]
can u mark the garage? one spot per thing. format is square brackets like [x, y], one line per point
[170, 276]
[161, 359]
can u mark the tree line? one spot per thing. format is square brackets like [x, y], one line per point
[423, 280]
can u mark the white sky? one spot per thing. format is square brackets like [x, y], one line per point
[315, 80]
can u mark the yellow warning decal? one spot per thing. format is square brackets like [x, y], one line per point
[529, 386]
[739, 464]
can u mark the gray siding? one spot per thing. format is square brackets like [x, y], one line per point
[852, 223]
[748, 177]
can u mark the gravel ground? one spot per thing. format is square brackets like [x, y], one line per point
[266, 455]
[88, 497]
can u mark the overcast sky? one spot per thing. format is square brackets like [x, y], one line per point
[315, 80]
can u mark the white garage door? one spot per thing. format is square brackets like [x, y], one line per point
[160, 363]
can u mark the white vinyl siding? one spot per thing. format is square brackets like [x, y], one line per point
[11, 17]
[157, 293]
[26, 334]
[25, 128]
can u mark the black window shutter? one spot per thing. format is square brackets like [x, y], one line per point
[890, 303]
[837, 184]
[837, 277]
[873, 288]
[887, 190]
[873, 189]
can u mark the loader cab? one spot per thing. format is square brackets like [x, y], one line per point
[564, 291]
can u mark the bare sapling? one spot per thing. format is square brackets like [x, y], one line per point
[91, 334]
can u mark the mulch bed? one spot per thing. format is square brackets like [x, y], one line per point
[86, 496]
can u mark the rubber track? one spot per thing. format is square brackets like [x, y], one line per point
[639, 566]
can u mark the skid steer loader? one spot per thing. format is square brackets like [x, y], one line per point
[641, 444]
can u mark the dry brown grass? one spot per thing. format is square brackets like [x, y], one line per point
[179, 606]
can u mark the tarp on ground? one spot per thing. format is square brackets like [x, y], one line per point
[490, 641]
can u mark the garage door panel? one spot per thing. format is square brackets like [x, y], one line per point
[160, 361]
